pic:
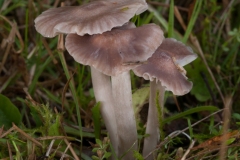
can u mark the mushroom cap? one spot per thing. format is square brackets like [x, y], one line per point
[92, 18]
[180, 53]
[115, 51]
[161, 67]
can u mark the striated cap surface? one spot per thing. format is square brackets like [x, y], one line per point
[161, 68]
[115, 51]
[92, 18]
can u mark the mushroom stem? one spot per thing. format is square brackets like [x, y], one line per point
[103, 94]
[152, 127]
[126, 123]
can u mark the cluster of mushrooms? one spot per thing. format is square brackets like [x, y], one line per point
[100, 35]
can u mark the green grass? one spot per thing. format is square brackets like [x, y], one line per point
[54, 95]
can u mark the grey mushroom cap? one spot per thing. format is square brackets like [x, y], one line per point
[161, 68]
[180, 53]
[115, 51]
[92, 18]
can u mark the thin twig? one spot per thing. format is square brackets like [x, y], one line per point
[54, 137]
[179, 18]
[71, 149]
[27, 136]
[63, 155]
[7, 132]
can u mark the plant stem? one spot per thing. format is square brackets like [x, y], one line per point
[152, 127]
[126, 123]
[71, 83]
[103, 94]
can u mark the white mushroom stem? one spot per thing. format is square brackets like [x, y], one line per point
[103, 94]
[126, 123]
[152, 127]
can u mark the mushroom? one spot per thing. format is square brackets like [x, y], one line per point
[92, 18]
[113, 54]
[165, 72]
[180, 53]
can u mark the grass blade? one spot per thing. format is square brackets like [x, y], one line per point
[96, 120]
[192, 21]
[188, 112]
[71, 84]
[171, 19]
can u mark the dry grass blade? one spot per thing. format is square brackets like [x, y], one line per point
[65, 90]
[8, 43]
[226, 119]
[27, 136]
[60, 45]
[9, 151]
[179, 18]
[14, 32]
[176, 102]
[29, 97]
[188, 150]
[7, 132]
[61, 48]
[31, 74]
[5, 5]
[49, 148]
[54, 137]
[71, 150]
[49, 50]
[65, 151]
[32, 155]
